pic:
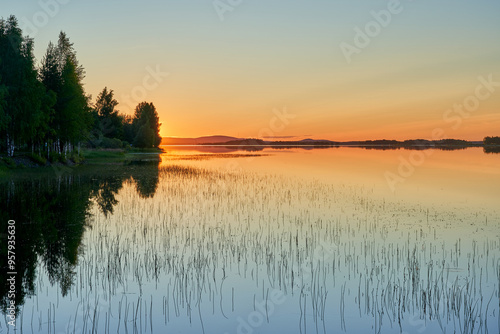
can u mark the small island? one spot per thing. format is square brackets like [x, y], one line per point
[490, 144]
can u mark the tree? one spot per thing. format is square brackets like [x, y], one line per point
[48, 107]
[4, 119]
[44, 131]
[22, 111]
[50, 76]
[128, 128]
[147, 123]
[74, 110]
[110, 122]
[491, 141]
[144, 137]
[63, 75]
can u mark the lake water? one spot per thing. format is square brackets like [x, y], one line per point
[230, 240]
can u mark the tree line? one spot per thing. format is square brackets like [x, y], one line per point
[491, 141]
[44, 108]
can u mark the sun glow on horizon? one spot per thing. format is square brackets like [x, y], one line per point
[209, 76]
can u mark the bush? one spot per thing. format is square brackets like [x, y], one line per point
[111, 143]
[76, 158]
[38, 159]
[117, 143]
[87, 144]
[55, 157]
[9, 162]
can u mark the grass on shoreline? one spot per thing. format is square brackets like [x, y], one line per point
[26, 160]
[108, 156]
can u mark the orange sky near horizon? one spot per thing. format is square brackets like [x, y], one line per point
[229, 72]
[427, 112]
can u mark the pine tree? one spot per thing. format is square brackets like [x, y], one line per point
[62, 74]
[50, 76]
[4, 119]
[22, 105]
[110, 122]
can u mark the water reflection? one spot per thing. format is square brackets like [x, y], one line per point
[51, 215]
[491, 149]
[192, 246]
[218, 149]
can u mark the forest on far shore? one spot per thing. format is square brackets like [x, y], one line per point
[44, 109]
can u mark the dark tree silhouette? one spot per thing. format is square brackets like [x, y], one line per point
[107, 115]
[147, 123]
[22, 93]
[47, 110]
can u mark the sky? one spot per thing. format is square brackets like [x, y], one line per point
[325, 69]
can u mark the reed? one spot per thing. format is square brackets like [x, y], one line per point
[210, 241]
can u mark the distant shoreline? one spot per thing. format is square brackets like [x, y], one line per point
[258, 145]
[380, 144]
[219, 140]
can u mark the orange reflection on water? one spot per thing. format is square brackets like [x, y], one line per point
[455, 177]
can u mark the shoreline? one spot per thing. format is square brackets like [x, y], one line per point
[89, 157]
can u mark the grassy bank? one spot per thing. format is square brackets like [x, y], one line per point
[89, 157]
[118, 156]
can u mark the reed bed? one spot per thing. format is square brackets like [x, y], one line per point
[212, 243]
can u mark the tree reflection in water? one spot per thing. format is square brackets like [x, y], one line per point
[51, 214]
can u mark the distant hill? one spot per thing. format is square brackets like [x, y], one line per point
[384, 144]
[419, 144]
[243, 142]
[310, 140]
[196, 141]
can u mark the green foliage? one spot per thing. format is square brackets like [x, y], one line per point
[129, 130]
[144, 137]
[22, 112]
[73, 105]
[47, 109]
[147, 122]
[50, 77]
[38, 159]
[104, 156]
[110, 122]
[9, 162]
[4, 118]
[56, 157]
[76, 158]
[111, 143]
[142, 130]
[105, 104]
[67, 108]
[49, 73]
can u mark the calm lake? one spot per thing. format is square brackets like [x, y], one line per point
[227, 240]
